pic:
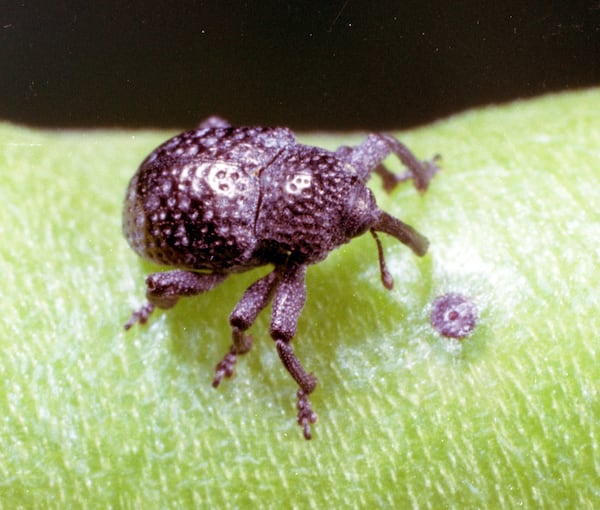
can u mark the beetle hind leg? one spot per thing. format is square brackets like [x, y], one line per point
[140, 315]
[164, 289]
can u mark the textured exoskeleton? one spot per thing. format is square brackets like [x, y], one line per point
[219, 200]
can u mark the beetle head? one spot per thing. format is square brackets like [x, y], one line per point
[364, 214]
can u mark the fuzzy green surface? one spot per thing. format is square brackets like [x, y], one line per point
[92, 416]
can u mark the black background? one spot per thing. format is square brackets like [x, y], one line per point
[345, 64]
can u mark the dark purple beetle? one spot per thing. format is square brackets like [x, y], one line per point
[221, 199]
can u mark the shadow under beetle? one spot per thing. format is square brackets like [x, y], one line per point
[220, 199]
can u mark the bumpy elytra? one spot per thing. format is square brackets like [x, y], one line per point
[220, 199]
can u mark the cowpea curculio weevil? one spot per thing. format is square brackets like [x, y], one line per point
[220, 199]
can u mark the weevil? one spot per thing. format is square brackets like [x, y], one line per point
[219, 200]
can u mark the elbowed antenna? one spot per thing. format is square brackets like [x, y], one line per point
[386, 276]
[401, 231]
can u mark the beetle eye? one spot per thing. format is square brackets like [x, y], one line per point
[362, 212]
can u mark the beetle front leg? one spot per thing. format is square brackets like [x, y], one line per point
[425, 172]
[288, 303]
[164, 289]
[256, 297]
[369, 155]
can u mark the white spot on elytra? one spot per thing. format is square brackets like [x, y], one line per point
[223, 178]
[298, 183]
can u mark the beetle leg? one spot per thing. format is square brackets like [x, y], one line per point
[288, 303]
[421, 172]
[369, 155]
[256, 297]
[389, 180]
[306, 382]
[212, 122]
[164, 289]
